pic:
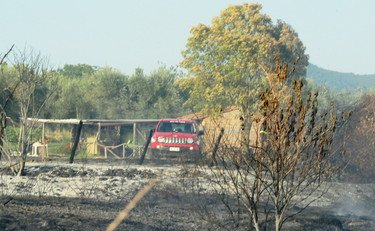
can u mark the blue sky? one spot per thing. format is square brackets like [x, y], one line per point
[338, 34]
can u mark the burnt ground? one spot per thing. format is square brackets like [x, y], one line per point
[163, 214]
[60, 203]
[76, 214]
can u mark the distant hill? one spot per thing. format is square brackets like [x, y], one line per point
[338, 80]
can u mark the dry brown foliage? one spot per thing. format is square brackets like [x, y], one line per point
[282, 171]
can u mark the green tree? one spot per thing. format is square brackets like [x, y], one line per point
[161, 98]
[105, 90]
[229, 59]
[155, 95]
[7, 86]
[109, 94]
[78, 70]
[72, 86]
[137, 87]
[5, 96]
[69, 100]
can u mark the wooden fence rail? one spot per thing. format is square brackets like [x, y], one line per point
[110, 150]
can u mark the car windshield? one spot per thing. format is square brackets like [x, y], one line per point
[176, 127]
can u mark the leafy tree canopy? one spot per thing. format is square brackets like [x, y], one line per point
[77, 70]
[109, 94]
[229, 59]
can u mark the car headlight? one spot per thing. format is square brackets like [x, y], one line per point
[161, 139]
[190, 140]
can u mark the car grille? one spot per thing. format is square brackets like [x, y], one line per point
[175, 140]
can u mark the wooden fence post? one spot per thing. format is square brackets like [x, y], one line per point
[146, 146]
[76, 141]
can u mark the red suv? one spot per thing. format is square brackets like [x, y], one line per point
[176, 136]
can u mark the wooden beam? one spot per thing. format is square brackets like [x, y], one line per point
[94, 121]
[55, 121]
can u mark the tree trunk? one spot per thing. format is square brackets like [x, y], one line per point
[216, 147]
[21, 171]
[246, 122]
[255, 222]
[277, 222]
[2, 131]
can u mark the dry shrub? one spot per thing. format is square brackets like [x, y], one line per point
[359, 140]
[264, 183]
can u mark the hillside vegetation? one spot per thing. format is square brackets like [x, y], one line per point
[338, 80]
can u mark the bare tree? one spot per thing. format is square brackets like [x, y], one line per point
[285, 165]
[31, 94]
[3, 107]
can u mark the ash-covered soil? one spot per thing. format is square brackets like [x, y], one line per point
[87, 196]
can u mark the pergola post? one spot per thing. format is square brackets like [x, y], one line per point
[134, 133]
[43, 134]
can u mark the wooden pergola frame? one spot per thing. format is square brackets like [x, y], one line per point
[98, 122]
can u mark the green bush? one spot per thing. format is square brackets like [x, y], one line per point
[12, 134]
